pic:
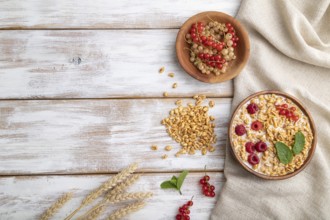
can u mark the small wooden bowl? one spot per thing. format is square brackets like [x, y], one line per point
[303, 109]
[242, 50]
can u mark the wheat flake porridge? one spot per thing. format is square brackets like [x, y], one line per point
[271, 135]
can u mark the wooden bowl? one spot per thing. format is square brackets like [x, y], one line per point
[242, 51]
[303, 109]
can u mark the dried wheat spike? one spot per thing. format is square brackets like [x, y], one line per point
[120, 213]
[128, 196]
[123, 185]
[56, 206]
[111, 183]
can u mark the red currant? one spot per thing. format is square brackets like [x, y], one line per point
[288, 115]
[295, 118]
[205, 188]
[206, 178]
[212, 187]
[285, 106]
[293, 109]
[212, 194]
[186, 218]
[190, 203]
[282, 112]
[178, 217]
[202, 181]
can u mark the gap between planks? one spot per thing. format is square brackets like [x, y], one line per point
[106, 173]
[82, 29]
[115, 98]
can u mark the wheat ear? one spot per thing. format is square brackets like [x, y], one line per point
[120, 213]
[128, 196]
[118, 198]
[56, 206]
[105, 186]
[118, 189]
[124, 185]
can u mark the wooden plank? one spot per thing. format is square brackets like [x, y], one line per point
[28, 197]
[106, 14]
[94, 64]
[96, 136]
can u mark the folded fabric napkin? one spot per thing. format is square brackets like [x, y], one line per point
[290, 52]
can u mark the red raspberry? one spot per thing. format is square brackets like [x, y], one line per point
[240, 130]
[252, 108]
[256, 125]
[253, 159]
[260, 146]
[249, 147]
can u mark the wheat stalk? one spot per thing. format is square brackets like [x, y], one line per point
[56, 206]
[123, 185]
[128, 196]
[105, 186]
[120, 213]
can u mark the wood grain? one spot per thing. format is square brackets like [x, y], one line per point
[27, 197]
[96, 136]
[94, 64]
[16, 14]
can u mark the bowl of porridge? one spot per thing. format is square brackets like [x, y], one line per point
[272, 135]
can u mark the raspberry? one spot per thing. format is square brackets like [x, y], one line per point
[249, 147]
[260, 146]
[253, 159]
[240, 130]
[256, 125]
[252, 108]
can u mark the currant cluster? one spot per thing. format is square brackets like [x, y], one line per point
[184, 211]
[208, 189]
[212, 46]
[251, 147]
[287, 112]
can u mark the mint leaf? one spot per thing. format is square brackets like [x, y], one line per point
[181, 178]
[284, 153]
[167, 185]
[299, 143]
[174, 180]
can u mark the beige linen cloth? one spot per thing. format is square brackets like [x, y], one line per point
[290, 52]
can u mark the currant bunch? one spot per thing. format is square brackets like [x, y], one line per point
[289, 113]
[184, 211]
[207, 188]
[212, 46]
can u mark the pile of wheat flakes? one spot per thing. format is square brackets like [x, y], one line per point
[191, 126]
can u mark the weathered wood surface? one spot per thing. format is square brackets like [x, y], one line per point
[97, 136]
[94, 64]
[106, 14]
[28, 197]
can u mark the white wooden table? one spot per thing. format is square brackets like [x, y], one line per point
[81, 98]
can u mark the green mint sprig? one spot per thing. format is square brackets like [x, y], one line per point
[175, 182]
[285, 154]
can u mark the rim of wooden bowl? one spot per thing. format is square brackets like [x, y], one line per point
[234, 67]
[303, 109]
